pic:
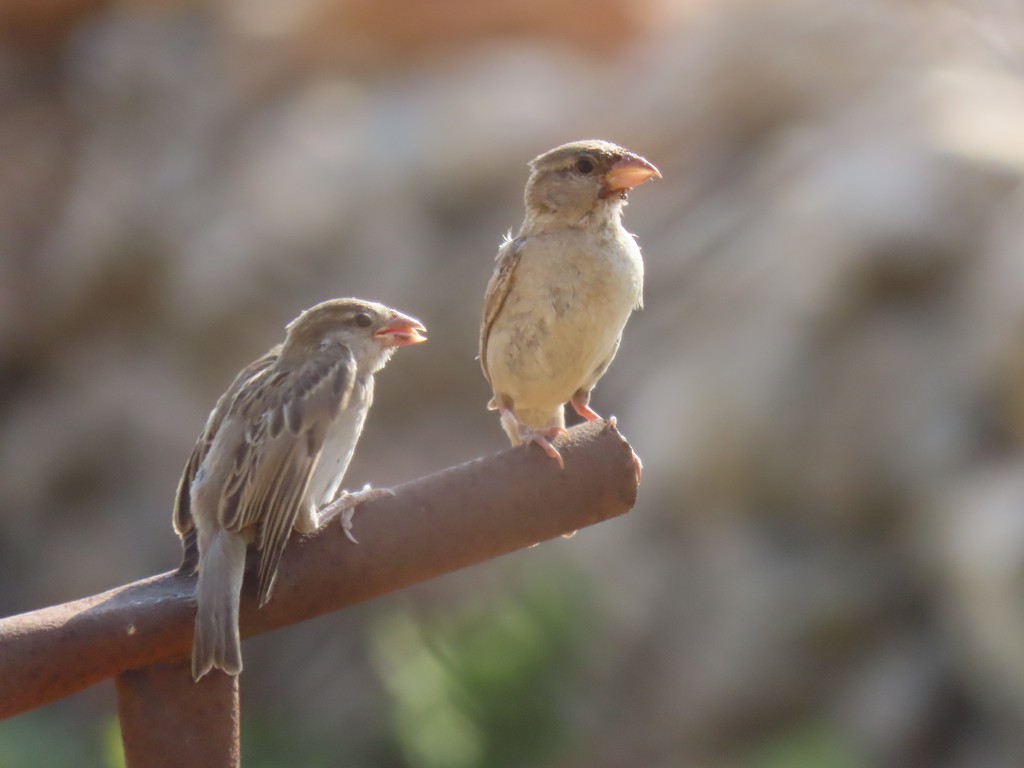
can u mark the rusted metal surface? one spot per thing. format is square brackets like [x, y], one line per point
[168, 721]
[441, 523]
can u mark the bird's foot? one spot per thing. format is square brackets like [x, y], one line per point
[345, 506]
[549, 449]
[544, 437]
[585, 411]
[580, 403]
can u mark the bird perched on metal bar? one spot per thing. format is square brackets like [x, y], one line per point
[562, 291]
[273, 453]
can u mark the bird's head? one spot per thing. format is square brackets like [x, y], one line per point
[372, 331]
[572, 181]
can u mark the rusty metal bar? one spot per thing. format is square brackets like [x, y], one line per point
[441, 523]
[168, 721]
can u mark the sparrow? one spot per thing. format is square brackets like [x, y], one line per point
[562, 290]
[273, 453]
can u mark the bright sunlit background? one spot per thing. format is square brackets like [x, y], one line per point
[825, 567]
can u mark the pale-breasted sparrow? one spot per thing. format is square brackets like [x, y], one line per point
[562, 290]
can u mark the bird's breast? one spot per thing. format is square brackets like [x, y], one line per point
[339, 445]
[572, 294]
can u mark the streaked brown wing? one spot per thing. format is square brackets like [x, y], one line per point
[287, 424]
[497, 291]
[183, 523]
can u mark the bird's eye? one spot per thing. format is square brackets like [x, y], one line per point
[585, 165]
[363, 320]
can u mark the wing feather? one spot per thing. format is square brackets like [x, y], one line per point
[183, 522]
[498, 288]
[287, 427]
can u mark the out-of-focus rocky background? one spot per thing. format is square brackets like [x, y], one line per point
[826, 564]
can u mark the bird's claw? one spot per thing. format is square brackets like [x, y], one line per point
[549, 449]
[344, 506]
[544, 438]
[586, 411]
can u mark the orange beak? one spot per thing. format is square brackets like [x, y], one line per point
[401, 331]
[631, 171]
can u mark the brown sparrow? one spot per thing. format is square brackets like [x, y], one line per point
[562, 290]
[273, 452]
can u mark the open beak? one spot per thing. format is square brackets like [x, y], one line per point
[401, 331]
[631, 171]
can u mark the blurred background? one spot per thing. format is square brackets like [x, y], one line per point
[825, 566]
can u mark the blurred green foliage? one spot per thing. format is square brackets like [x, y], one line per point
[479, 685]
[113, 749]
[810, 745]
[44, 738]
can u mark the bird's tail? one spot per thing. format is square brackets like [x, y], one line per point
[216, 642]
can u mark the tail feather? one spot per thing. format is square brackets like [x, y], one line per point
[216, 642]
